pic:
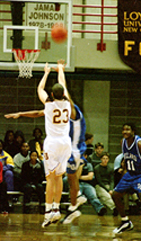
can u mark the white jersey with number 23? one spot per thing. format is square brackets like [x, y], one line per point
[57, 143]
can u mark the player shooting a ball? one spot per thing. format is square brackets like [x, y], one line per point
[57, 144]
[77, 134]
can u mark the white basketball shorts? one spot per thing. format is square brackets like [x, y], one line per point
[57, 151]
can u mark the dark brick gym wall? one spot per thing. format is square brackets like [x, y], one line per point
[21, 95]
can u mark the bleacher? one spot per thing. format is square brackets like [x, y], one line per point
[18, 205]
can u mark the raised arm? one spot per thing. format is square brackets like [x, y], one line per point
[42, 94]
[61, 79]
[31, 114]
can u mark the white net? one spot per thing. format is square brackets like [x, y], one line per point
[25, 60]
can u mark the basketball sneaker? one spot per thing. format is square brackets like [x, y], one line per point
[47, 219]
[56, 216]
[125, 225]
[71, 216]
[80, 201]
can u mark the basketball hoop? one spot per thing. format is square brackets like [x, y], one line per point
[25, 59]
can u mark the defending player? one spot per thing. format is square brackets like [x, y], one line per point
[75, 163]
[131, 147]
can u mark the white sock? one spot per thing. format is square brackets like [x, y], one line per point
[79, 193]
[56, 205]
[48, 207]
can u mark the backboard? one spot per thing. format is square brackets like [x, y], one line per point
[27, 25]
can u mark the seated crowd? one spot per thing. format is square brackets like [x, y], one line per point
[21, 169]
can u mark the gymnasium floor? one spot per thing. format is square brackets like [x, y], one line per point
[88, 227]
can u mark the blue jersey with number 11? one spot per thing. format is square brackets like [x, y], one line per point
[132, 156]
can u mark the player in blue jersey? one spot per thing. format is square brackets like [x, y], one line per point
[75, 164]
[131, 181]
[76, 161]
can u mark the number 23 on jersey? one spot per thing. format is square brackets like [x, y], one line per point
[60, 116]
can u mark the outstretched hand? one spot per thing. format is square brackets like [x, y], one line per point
[13, 115]
[47, 69]
[60, 64]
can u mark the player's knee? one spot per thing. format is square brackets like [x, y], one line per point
[71, 177]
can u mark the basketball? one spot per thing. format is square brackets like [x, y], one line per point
[59, 33]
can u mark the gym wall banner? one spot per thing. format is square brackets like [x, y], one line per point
[129, 33]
